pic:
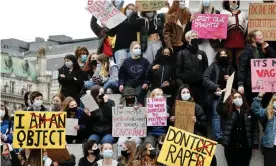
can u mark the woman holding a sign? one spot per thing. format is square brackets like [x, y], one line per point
[240, 129]
[268, 116]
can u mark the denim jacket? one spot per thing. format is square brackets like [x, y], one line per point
[270, 130]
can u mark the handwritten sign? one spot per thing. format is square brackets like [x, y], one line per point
[105, 12]
[150, 5]
[184, 111]
[262, 16]
[229, 85]
[156, 112]
[184, 148]
[211, 26]
[129, 122]
[263, 75]
[36, 130]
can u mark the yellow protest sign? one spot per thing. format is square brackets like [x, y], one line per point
[36, 130]
[182, 148]
[150, 5]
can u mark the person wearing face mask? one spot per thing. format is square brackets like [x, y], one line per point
[91, 154]
[177, 24]
[70, 106]
[257, 48]
[91, 65]
[36, 100]
[71, 78]
[107, 153]
[190, 66]
[148, 155]
[99, 121]
[267, 116]
[8, 156]
[6, 125]
[240, 132]
[81, 54]
[214, 80]
[129, 154]
[151, 31]
[236, 31]
[133, 73]
[125, 33]
[56, 102]
[161, 73]
[129, 98]
[210, 46]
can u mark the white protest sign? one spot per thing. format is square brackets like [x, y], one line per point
[105, 12]
[129, 122]
[89, 102]
[70, 124]
[156, 112]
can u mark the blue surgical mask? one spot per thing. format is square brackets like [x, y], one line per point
[68, 64]
[107, 153]
[185, 96]
[136, 52]
[206, 3]
[45, 157]
[83, 58]
[274, 105]
[38, 103]
[234, 7]
[238, 102]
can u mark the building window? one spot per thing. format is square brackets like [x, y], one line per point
[12, 86]
[29, 87]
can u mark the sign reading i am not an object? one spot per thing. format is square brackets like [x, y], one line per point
[156, 112]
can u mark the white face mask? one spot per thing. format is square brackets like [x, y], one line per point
[150, 14]
[118, 4]
[185, 96]
[234, 7]
[159, 96]
[128, 12]
[238, 102]
[182, 4]
[38, 103]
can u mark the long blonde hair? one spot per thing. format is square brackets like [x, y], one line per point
[155, 92]
[270, 108]
[104, 59]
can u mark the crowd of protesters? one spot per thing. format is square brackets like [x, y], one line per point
[152, 55]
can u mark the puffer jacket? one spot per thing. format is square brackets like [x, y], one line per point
[244, 65]
[143, 24]
[211, 76]
[100, 121]
[229, 118]
[270, 129]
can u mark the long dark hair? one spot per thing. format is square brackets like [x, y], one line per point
[231, 105]
[88, 146]
[76, 65]
[178, 97]
[6, 116]
[226, 5]
[227, 53]
[26, 98]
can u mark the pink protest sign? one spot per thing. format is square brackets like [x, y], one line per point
[263, 75]
[156, 112]
[211, 26]
[105, 12]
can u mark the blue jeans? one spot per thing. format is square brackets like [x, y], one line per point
[112, 84]
[216, 120]
[105, 139]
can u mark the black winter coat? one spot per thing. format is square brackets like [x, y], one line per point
[158, 21]
[190, 65]
[244, 66]
[72, 83]
[100, 121]
[228, 120]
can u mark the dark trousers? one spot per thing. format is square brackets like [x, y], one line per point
[237, 156]
[269, 156]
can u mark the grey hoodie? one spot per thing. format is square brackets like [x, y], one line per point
[113, 72]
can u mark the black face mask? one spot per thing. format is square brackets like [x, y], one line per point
[124, 153]
[194, 42]
[93, 63]
[152, 154]
[74, 109]
[223, 61]
[130, 101]
[95, 152]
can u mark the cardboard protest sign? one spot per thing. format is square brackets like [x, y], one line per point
[229, 87]
[211, 26]
[157, 112]
[262, 16]
[36, 130]
[184, 111]
[70, 124]
[184, 148]
[143, 5]
[263, 75]
[129, 122]
[89, 102]
[105, 12]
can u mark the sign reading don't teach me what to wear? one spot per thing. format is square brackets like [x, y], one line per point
[36, 130]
